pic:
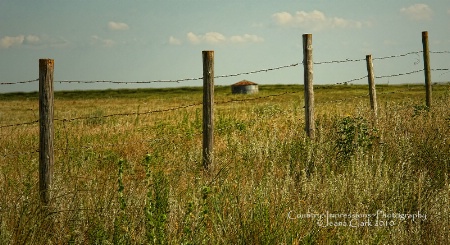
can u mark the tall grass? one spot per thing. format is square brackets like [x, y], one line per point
[139, 179]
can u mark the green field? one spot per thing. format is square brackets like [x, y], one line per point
[137, 178]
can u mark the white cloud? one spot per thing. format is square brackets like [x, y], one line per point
[32, 39]
[283, 18]
[216, 38]
[174, 41]
[35, 41]
[117, 26]
[209, 37]
[246, 38]
[7, 42]
[193, 38]
[96, 40]
[418, 11]
[315, 20]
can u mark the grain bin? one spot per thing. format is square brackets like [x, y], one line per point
[244, 87]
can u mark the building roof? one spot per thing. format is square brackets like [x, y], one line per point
[244, 83]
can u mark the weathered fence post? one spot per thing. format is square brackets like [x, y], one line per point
[46, 132]
[426, 63]
[308, 82]
[208, 108]
[372, 91]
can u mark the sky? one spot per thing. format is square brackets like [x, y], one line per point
[148, 40]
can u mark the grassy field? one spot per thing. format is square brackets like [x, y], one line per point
[138, 178]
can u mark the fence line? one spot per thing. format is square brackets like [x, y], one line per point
[392, 75]
[397, 56]
[16, 154]
[186, 106]
[352, 80]
[439, 52]
[222, 102]
[231, 75]
[19, 124]
[160, 81]
[224, 76]
[104, 116]
[12, 83]
[149, 112]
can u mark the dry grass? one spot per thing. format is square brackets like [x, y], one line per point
[266, 173]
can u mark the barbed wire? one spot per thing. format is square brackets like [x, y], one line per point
[104, 116]
[440, 52]
[196, 104]
[363, 59]
[141, 113]
[259, 71]
[144, 113]
[19, 124]
[397, 56]
[90, 147]
[352, 80]
[12, 83]
[379, 58]
[400, 74]
[338, 61]
[185, 79]
[160, 81]
[221, 102]
[392, 75]
[131, 82]
[440, 69]
[129, 114]
[229, 75]
[411, 72]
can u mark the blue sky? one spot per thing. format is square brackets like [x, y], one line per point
[144, 40]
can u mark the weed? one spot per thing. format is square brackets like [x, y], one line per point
[121, 222]
[353, 133]
[157, 207]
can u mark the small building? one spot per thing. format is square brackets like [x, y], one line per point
[244, 87]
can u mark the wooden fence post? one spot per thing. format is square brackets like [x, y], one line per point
[208, 108]
[46, 131]
[372, 91]
[426, 63]
[308, 82]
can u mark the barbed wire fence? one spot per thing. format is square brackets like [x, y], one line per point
[93, 117]
[223, 76]
[446, 70]
[260, 71]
